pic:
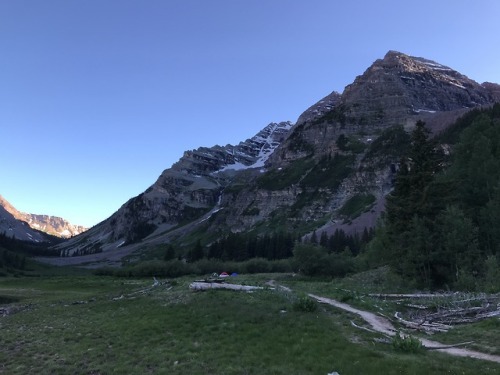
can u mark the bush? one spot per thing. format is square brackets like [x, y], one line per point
[312, 260]
[309, 259]
[176, 268]
[305, 304]
[406, 344]
[492, 274]
[281, 266]
[208, 266]
[338, 265]
[105, 271]
[257, 265]
[173, 268]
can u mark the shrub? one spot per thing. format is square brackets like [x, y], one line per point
[280, 266]
[173, 268]
[257, 265]
[406, 344]
[208, 266]
[105, 271]
[492, 274]
[305, 304]
[313, 260]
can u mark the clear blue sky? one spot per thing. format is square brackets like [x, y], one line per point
[98, 97]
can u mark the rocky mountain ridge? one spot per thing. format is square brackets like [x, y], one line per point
[295, 178]
[190, 188]
[396, 90]
[14, 228]
[52, 225]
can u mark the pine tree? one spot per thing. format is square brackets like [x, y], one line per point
[323, 240]
[411, 208]
[170, 253]
[196, 253]
[411, 196]
[314, 238]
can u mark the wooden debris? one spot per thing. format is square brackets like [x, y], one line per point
[202, 285]
[422, 326]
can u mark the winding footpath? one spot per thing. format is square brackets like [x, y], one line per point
[383, 325]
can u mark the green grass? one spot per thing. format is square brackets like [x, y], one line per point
[485, 335]
[82, 325]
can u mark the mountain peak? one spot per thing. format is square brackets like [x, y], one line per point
[312, 168]
[404, 86]
[52, 225]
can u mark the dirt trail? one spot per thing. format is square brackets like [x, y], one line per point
[383, 325]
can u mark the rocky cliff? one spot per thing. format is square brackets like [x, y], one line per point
[52, 225]
[343, 149]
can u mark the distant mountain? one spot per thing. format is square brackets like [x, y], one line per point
[52, 225]
[342, 152]
[14, 228]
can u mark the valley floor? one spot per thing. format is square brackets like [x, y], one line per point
[96, 325]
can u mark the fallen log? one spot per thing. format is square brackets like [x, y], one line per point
[458, 312]
[404, 295]
[200, 285]
[422, 326]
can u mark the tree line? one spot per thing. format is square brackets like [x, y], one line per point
[240, 247]
[26, 247]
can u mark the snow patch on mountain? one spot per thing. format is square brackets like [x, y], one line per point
[254, 152]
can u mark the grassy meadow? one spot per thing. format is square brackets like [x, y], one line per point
[86, 324]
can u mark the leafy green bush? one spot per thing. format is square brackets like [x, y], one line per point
[177, 268]
[208, 266]
[309, 259]
[305, 304]
[280, 266]
[173, 268]
[257, 265]
[406, 343]
[492, 274]
[312, 260]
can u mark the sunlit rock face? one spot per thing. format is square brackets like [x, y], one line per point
[22, 229]
[399, 86]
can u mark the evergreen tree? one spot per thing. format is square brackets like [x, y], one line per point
[314, 238]
[411, 209]
[170, 253]
[323, 240]
[457, 246]
[489, 224]
[411, 196]
[196, 253]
